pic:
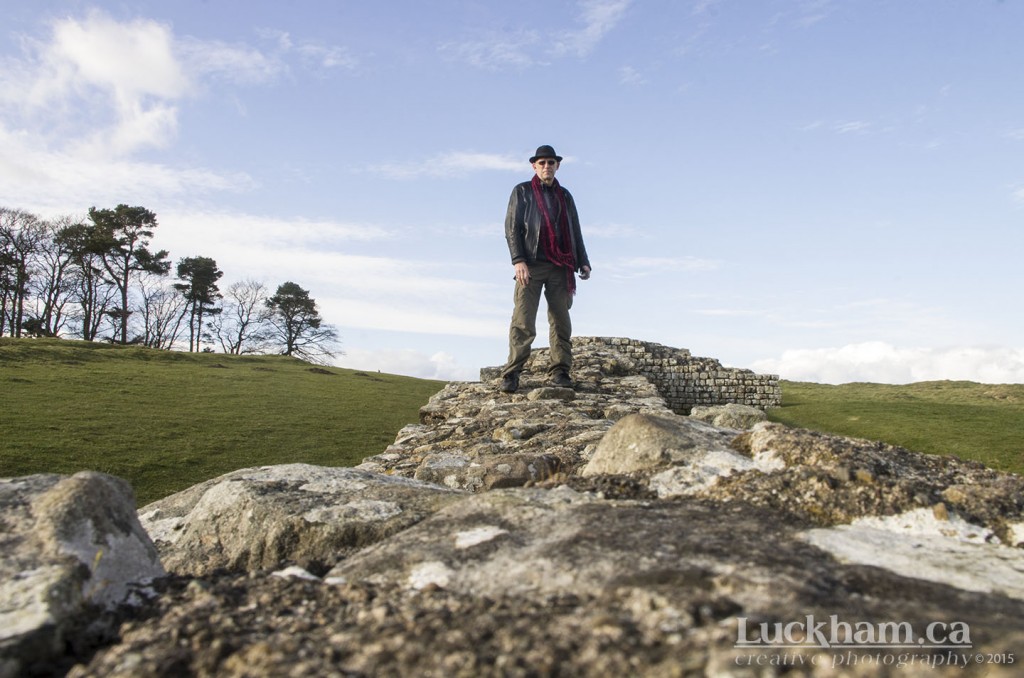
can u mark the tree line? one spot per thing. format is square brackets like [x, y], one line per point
[97, 279]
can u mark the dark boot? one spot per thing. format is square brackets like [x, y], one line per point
[561, 378]
[510, 383]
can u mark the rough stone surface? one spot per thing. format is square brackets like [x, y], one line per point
[730, 415]
[641, 442]
[923, 545]
[72, 548]
[829, 480]
[527, 581]
[259, 518]
[597, 531]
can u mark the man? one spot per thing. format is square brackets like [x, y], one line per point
[543, 233]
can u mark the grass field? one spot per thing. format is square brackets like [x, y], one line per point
[167, 420]
[984, 422]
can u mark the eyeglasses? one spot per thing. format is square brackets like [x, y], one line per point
[546, 163]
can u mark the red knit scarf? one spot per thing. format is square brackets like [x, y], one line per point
[559, 254]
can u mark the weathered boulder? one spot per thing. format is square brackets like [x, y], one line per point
[457, 470]
[71, 548]
[675, 456]
[266, 517]
[641, 442]
[730, 415]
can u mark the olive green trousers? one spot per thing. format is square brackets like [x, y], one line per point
[552, 280]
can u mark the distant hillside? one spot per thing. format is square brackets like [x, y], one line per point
[168, 420]
[984, 422]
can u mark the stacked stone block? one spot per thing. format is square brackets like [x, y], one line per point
[683, 380]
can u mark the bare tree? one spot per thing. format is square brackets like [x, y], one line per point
[163, 312]
[21, 236]
[93, 294]
[54, 284]
[242, 327]
[8, 275]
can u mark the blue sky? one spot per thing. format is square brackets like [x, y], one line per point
[831, 191]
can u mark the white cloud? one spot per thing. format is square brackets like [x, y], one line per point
[640, 267]
[846, 127]
[52, 181]
[839, 126]
[731, 313]
[231, 63]
[813, 12]
[440, 365]
[79, 103]
[599, 17]
[353, 290]
[516, 50]
[327, 56]
[313, 54]
[528, 47]
[880, 362]
[613, 231]
[704, 6]
[96, 82]
[277, 235]
[630, 76]
[452, 164]
[97, 86]
[131, 59]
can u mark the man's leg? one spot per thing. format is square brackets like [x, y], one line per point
[523, 328]
[556, 292]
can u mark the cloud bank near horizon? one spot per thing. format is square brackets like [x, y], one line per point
[880, 362]
[873, 362]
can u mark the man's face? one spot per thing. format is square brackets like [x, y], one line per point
[545, 169]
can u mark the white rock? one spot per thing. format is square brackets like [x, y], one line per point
[702, 471]
[477, 535]
[295, 572]
[918, 545]
[433, 573]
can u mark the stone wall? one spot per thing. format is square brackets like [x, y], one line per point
[683, 380]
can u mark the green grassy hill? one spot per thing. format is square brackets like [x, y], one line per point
[984, 422]
[167, 420]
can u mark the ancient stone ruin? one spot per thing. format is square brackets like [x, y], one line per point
[683, 380]
[566, 532]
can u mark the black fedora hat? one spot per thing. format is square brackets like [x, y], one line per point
[545, 151]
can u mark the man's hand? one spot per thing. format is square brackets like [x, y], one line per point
[522, 273]
[585, 273]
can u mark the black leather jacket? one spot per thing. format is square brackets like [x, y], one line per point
[523, 222]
